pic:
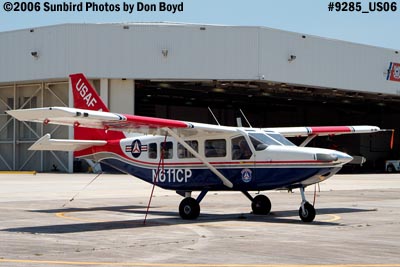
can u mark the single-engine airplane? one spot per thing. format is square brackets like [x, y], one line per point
[189, 156]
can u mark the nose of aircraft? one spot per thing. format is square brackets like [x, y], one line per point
[343, 157]
[335, 156]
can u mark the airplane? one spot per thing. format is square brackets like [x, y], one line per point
[190, 156]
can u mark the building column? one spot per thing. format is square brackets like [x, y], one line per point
[70, 129]
[104, 91]
[133, 98]
[121, 96]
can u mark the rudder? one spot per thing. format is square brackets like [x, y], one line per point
[86, 97]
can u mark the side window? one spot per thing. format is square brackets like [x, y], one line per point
[152, 151]
[167, 149]
[240, 148]
[215, 148]
[184, 153]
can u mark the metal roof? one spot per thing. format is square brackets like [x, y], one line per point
[180, 51]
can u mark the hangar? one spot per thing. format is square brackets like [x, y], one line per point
[174, 70]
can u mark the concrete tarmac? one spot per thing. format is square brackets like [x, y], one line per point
[357, 224]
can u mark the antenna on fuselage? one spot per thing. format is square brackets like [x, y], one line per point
[239, 122]
[244, 116]
[215, 118]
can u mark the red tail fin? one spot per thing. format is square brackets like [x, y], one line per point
[86, 97]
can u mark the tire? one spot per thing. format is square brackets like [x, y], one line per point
[390, 168]
[309, 213]
[189, 209]
[261, 205]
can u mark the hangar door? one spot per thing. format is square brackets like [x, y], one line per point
[16, 137]
[276, 107]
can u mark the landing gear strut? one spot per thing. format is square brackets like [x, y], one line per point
[189, 208]
[306, 211]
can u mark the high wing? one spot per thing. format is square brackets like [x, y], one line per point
[149, 125]
[323, 130]
[116, 122]
[312, 132]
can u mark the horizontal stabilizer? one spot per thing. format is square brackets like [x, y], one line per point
[66, 116]
[46, 143]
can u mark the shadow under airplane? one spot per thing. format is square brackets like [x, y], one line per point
[171, 218]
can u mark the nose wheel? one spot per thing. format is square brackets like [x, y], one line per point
[307, 211]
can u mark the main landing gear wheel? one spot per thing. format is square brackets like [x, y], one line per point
[189, 209]
[261, 205]
[307, 212]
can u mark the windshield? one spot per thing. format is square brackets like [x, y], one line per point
[269, 139]
[260, 138]
[281, 139]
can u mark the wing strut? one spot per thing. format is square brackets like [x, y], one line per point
[308, 140]
[224, 180]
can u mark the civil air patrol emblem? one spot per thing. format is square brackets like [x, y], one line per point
[396, 72]
[246, 175]
[136, 148]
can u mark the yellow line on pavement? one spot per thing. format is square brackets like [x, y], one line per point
[18, 172]
[333, 219]
[64, 216]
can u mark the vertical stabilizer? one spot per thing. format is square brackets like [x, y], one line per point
[86, 97]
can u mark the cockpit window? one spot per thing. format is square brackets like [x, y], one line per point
[240, 148]
[269, 139]
[260, 138]
[281, 139]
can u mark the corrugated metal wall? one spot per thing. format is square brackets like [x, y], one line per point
[187, 52]
[326, 63]
[16, 137]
